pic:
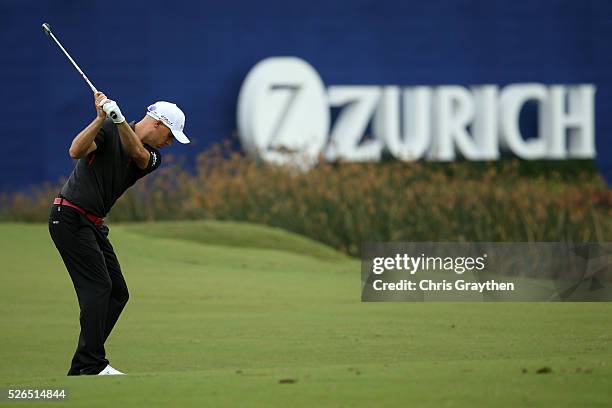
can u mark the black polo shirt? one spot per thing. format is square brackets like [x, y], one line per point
[100, 178]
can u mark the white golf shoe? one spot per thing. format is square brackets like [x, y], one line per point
[108, 370]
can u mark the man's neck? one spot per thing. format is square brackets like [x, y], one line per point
[137, 130]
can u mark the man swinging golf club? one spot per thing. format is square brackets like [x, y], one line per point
[112, 155]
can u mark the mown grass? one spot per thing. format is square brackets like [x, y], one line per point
[216, 321]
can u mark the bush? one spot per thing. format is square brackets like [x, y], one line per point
[344, 204]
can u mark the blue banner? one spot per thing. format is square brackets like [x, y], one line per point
[197, 54]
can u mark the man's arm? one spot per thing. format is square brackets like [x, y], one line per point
[84, 143]
[133, 146]
[129, 140]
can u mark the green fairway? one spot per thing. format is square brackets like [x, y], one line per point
[219, 313]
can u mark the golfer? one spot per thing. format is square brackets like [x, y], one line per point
[112, 155]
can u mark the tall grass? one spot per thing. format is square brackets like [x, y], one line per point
[344, 204]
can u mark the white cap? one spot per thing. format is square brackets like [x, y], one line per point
[171, 116]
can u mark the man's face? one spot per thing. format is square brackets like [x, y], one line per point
[162, 136]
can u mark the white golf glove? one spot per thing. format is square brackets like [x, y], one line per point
[112, 110]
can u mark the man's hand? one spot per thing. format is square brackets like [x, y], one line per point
[99, 97]
[112, 110]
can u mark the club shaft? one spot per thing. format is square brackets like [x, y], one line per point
[93, 88]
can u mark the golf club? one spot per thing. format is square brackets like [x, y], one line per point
[47, 30]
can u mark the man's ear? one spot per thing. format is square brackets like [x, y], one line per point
[157, 123]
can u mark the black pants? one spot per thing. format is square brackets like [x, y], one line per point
[96, 275]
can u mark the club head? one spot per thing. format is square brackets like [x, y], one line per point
[46, 28]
